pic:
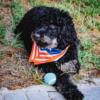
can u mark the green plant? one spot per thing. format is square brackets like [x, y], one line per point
[16, 42]
[37, 76]
[17, 11]
[1, 54]
[2, 33]
[86, 57]
[96, 61]
[2, 30]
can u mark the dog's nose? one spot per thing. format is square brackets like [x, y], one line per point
[36, 35]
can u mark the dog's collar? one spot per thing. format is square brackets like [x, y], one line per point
[45, 55]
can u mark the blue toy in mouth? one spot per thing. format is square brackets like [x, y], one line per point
[52, 50]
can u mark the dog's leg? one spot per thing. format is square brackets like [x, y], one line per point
[69, 67]
[70, 61]
[67, 88]
[63, 84]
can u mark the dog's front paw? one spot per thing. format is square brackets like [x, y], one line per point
[70, 67]
[73, 95]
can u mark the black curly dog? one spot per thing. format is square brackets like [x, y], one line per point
[53, 28]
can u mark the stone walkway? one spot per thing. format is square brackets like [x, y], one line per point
[43, 92]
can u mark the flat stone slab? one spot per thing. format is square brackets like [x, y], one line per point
[36, 92]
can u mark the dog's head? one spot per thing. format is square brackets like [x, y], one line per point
[53, 30]
[45, 36]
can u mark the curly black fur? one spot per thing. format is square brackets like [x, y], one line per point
[37, 19]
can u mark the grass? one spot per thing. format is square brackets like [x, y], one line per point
[18, 11]
[2, 35]
[37, 76]
[16, 42]
[3, 31]
[86, 57]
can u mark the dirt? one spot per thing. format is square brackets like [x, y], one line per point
[6, 2]
[6, 16]
[14, 68]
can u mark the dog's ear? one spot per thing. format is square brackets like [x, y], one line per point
[31, 36]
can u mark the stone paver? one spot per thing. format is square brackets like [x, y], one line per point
[15, 96]
[55, 96]
[37, 92]
[1, 97]
[38, 95]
